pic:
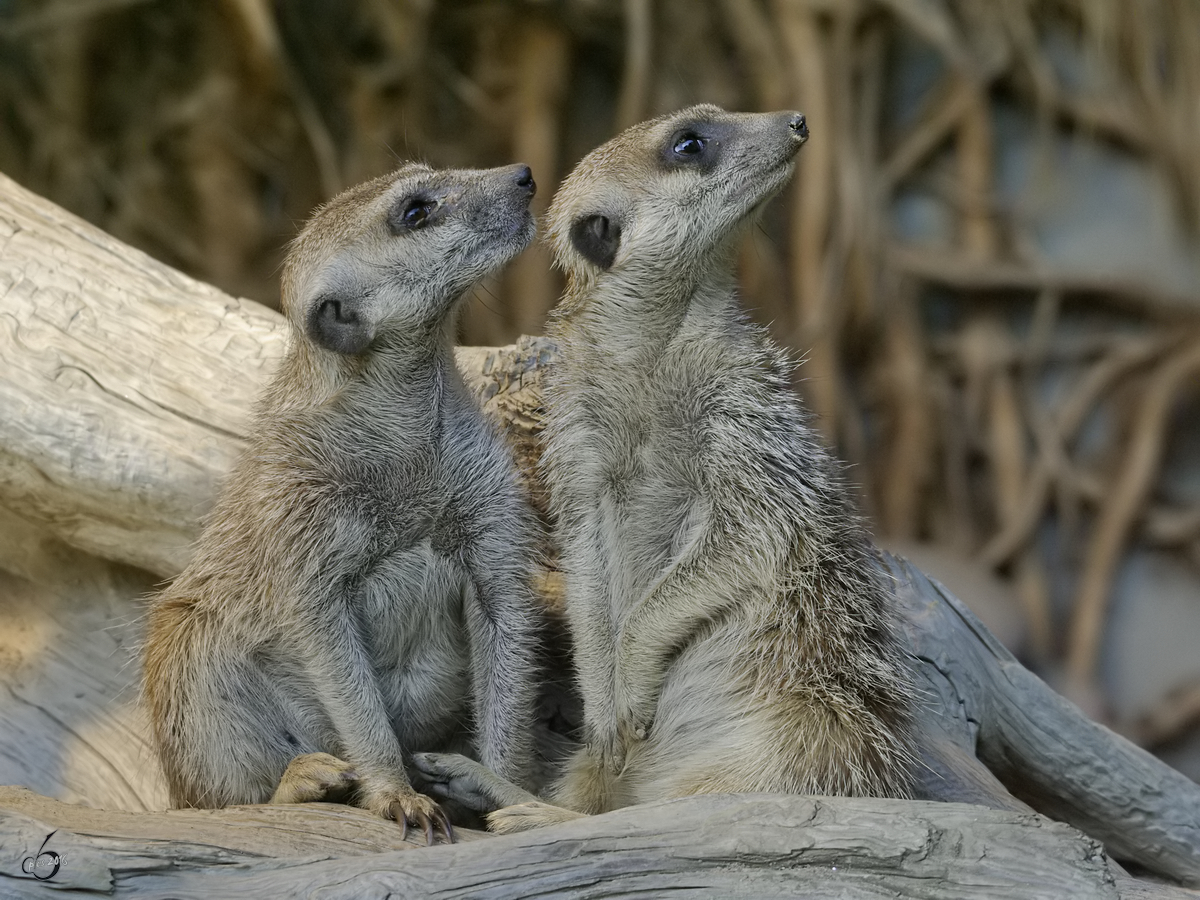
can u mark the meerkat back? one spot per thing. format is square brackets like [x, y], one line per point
[361, 589]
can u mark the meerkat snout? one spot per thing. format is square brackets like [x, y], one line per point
[392, 255]
[524, 178]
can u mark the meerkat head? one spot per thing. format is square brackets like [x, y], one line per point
[667, 193]
[390, 257]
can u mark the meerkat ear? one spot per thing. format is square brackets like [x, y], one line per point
[597, 238]
[336, 323]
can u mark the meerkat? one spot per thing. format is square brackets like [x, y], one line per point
[361, 588]
[732, 624]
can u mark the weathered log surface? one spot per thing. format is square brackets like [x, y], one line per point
[126, 387]
[734, 846]
[70, 724]
[990, 726]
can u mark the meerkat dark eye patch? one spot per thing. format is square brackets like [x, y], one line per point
[695, 146]
[411, 213]
[597, 238]
[337, 324]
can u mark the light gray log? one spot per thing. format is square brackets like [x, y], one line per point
[733, 846]
[985, 705]
[70, 724]
[124, 384]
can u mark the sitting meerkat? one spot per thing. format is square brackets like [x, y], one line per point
[732, 625]
[361, 588]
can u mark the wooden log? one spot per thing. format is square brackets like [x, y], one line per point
[990, 727]
[733, 846]
[125, 385]
[126, 388]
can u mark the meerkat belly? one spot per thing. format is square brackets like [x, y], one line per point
[713, 732]
[412, 624]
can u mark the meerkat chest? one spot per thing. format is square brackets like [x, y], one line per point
[477, 485]
[440, 484]
[638, 469]
[410, 609]
[640, 441]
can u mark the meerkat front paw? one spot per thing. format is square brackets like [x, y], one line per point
[631, 726]
[407, 807]
[316, 776]
[630, 733]
[526, 816]
[611, 753]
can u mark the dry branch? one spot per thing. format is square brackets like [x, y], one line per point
[1133, 485]
[951, 270]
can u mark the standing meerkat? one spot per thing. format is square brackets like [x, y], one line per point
[732, 625]
[361, 589]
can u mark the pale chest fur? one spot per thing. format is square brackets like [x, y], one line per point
[626, 460]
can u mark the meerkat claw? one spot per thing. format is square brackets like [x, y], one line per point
[437, 824]
[447, 829]
[428, 817]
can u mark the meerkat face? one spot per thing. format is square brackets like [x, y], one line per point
[391, 257]
[667, 192]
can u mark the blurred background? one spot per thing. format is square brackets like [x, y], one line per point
[989, 260]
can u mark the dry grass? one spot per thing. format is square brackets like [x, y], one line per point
[203, 132]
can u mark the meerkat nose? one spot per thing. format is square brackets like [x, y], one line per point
[799, 126]
[525, 179]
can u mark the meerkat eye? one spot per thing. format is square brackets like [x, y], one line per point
[695, 146]
[411, 215]
[689, 144]
[416, 213]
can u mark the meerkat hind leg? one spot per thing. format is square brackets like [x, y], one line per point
[316, 776]
[587, 784]
[509, 808]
